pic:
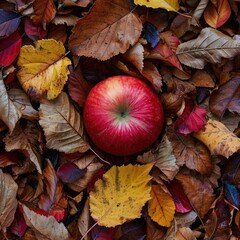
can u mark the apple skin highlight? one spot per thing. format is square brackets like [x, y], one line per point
[123, 115]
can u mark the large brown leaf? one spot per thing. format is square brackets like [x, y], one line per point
[9, 113]
[227, 97]
[62, 125]
[113, 29]
[26, 140]
[209, 47]
[8, 200]
[190, 152]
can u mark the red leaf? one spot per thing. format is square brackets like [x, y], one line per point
[103, 233]
[9, 22]
[193, 119]
[18, 226]
[10, 77]
[70, 172]
[34, 32]
[9, 49]
[96, 176]
[181, 201]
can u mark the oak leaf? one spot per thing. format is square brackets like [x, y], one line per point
[62, 125]
[8, 200]
[114, 31]
[110, 205]
[210, 46]
[218, 138]
[43, 68]
[161, 207]
[169, 5]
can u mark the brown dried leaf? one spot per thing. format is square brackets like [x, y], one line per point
[45, 228]
[202, 79]
[62, 125]
[8, 200]
[226, 97]
[209, 47]
[22, 102]
[115, 29]
[198, 191]
[26, 140]
[190, 152]
[69, 20]
[10, 114]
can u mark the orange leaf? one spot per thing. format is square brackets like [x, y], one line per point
[45, 11]
[217, 14]
[161, 207]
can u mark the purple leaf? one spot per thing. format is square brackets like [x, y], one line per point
[9, 22]
[134, 230]
[151, 34]
[70, 172]
[232, 194]
[103, 233]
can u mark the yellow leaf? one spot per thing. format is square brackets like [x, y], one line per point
[120, 195]
[161, 207]
[219, 139]
[169, 5]
[43, 68]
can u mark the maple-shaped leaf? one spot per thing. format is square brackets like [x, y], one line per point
[45, 11]
[10, 114]
[226, 97]
[217, 13]
[211, 46]
[115, 29]
[9, 48]
[193, 119]
[169, 5]
[45, 227]
[190, 152]
[62, 125]
[218, 138]
[8, 200]
[26, 140]
[9, 22]
[43, 68]
[110, 205]
[161, 207]
[163, 158]
[199, 192]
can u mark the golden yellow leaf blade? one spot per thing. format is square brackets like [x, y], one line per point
[161, 207]
[169, 5]
[218, 138]
[120, 195]
[43, 68]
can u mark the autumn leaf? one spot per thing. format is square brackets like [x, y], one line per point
[45, 11]
[169, 5]
[109, 203]
[43, 68]
[161, 207]
[45, 227]
[62, 125]
[209, 47]
[218, 138]
[8, 200]
[217, 13]
[112, 33]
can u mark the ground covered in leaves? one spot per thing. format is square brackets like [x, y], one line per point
[55, 184]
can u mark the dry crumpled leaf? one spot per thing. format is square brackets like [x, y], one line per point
[26, 140]
[218, 138]
[109, 203]
[210, 46]
[43, 68]
[163, 158]
[45, 228]
[112, 33]
[8, 200]
[10, 114]
[170, 5]
[161, 207]
[62, 125]
[185, 233]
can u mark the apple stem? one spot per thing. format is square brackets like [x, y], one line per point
[99, 155]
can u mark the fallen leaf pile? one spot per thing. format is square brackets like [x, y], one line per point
[55, 184]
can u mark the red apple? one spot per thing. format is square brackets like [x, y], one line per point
[123, 115]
